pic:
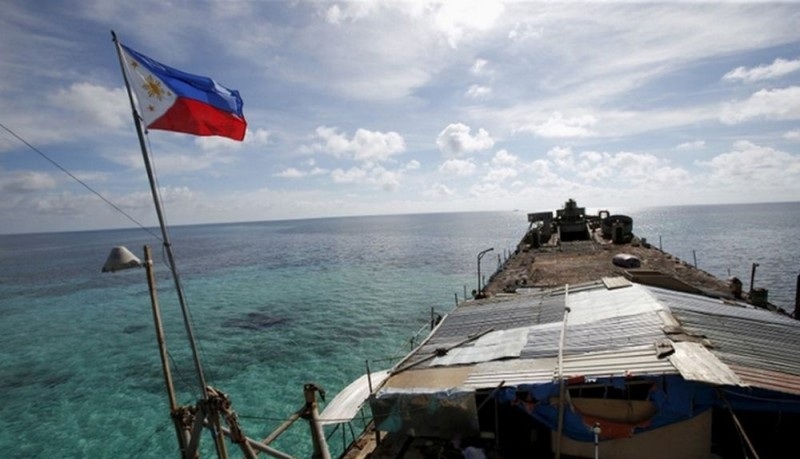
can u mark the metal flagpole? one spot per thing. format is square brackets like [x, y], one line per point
[167, 245]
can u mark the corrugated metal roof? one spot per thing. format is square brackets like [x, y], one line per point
[496, 314]
[634, 361]
[762, 347]
[601, 320]
[511, 373]
[613, 332]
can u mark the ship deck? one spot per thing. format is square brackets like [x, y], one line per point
[577, 262]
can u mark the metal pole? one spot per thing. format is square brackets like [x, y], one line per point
[162, 348]
[561, 387]
[165, 235]
[797, 299]
[371, 389]
[480, 255]
[753, 276]
[317, 434]
[596, 430]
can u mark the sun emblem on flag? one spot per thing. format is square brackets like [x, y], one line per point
[153, 87]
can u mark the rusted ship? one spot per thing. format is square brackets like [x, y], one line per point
[590, 342]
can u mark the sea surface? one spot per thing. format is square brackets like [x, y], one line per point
[275, 305]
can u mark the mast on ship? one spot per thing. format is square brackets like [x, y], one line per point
[214, 406]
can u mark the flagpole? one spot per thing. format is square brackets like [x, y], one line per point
[165, 235]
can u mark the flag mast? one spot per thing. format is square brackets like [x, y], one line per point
[164, 233]
[214, 404]
[188, 444]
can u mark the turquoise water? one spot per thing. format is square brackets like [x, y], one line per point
[274, 305]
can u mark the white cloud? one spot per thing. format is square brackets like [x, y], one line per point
[291, 173]
[504, 159]
[349, 11]
[369, 175]
[792, 135]
[181, 163]
[458, 19]
[500, 174]
[216, 143]
[353, 175]
[776, 104]
[524, 31]
[694, 145]
[100, 105]
[559, 127]
[562, 157]
[777, 69]
[458, 167]
[259, 137]
[479, 67]
[438, 190]
[366, 146]
[478, 92]
[457, 139]
[26, 181]
[753, 166]
[385, 179]
[412, 165]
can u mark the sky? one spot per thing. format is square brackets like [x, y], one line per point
[397, 107]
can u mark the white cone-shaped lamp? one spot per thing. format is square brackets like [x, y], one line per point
[121, 258]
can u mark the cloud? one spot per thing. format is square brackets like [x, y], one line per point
[559, 127]
[26, 181]
[457, 139]
[458, 167]
[101, 106]
[366, 146]
[562, 157]
[412, 165]
[259, 137]
[369, 174]
[348, 12]
[480, 67]
[291, 173]
[524, 31]
[459, 19]
[792, 135]
[504, 159]
[478, 92]
[352, 175]
[694, 145]
[774, 104]
[438, 190]
[500, 174]
[777, 69]
[751, 166]
[619, 169]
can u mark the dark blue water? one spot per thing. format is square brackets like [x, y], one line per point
[275, 305]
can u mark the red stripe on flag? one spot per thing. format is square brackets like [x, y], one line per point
[194, 117]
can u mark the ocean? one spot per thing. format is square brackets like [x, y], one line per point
[275, 305]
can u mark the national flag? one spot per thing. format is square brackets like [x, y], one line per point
[172, 100]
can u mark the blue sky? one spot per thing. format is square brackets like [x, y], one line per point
[361, 108]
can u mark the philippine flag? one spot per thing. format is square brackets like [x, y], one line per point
[172, 100]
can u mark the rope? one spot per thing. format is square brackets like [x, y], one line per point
[739, 427]
[84, 184]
